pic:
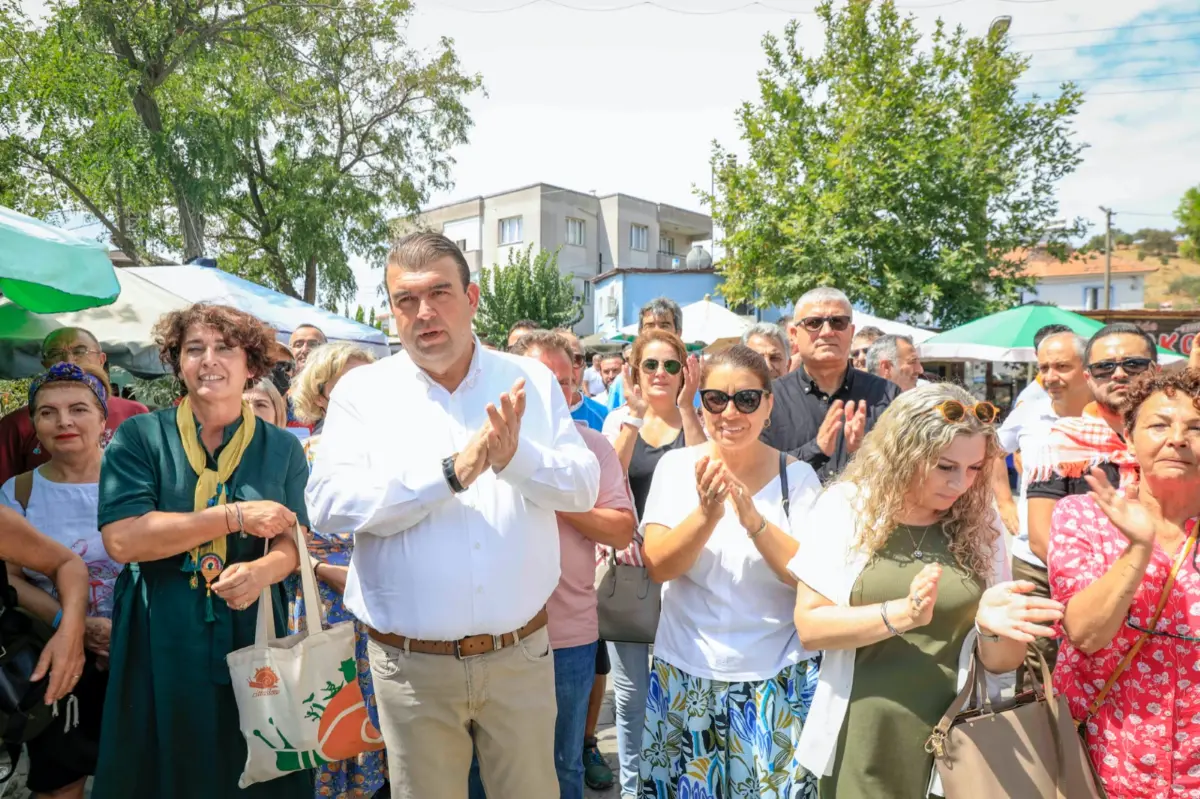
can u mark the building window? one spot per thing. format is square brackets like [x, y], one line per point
[510, 230]
[575, 232]
[639, 237]
[1092, 301]
[461, 244]
[666, 244]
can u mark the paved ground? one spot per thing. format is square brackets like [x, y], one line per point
[605, 732]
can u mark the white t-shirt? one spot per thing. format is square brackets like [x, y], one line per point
[729, 617]
[66, 512]
[593, 381]
[1031, 393]
[1025, 431]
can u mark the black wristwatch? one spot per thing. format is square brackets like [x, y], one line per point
[452, 476]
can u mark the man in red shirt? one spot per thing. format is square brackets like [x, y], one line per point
[20, 450]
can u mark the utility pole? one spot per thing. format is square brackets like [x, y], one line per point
[1108, 215]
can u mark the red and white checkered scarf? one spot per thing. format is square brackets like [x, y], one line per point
[1076, 445]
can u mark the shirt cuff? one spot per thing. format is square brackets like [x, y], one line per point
[523, 464]
[429, 484]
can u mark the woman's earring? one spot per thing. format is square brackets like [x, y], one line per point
[767, 424]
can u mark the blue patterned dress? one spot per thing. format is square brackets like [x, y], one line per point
[361, 777]
[708, 739]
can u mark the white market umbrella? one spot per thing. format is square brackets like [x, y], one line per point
[209, 284]
[891, 328]
[123, 329]
[705, 321]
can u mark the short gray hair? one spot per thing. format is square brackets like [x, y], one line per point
[661, 306]
[1079, 341]
[884, 349]
[823, 294]
[769, 331]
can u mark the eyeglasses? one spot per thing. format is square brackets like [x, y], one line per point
[954, 411]
[859, 352]
[746, 401]
[1102, 370]
[578, 359]
[82, 351]
[813, 324]
[671, 366]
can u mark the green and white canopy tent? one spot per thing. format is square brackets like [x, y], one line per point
[45, 269]
[1007, 336]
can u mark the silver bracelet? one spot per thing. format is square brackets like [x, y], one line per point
[983, 635]
[886, 623]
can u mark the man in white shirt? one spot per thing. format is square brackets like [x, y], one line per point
[448, 463]
[593, 382]
[1060, 367]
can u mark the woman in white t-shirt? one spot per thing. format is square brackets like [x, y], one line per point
[901, 568]
[68, 407]
[730, 684]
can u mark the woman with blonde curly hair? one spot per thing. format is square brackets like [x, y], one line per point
[361, 776]
[901, 570]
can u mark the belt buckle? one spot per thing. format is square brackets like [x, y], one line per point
[497, 645]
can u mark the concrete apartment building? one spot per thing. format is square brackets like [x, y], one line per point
[593, 234]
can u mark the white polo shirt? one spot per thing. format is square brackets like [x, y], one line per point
[1025, 431]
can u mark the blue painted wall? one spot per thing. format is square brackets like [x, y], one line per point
[633, 290]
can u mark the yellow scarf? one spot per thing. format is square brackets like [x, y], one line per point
[211, 489]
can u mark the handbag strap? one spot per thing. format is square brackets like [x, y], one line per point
[1180, 557]
[264, 629]
[783, 485]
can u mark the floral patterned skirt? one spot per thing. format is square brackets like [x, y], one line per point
[707, 739]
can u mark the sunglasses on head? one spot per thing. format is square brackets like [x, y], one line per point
[1132, 366]
[813, 324]
[671, 366]
[745, 401]
[954, 411]
[578, 359]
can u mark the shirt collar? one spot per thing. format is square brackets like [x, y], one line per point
[811, 387]
[473, 370]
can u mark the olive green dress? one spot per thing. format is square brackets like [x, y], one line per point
[902, 684]
[170, 724]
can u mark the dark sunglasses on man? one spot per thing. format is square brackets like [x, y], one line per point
[1102, 370]
[746, 401]
[813, 324]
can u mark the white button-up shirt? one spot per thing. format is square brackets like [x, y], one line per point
[427, 563]
[1025, 431]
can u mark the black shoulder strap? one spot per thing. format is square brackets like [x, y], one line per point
[23, 490]
[783, 485]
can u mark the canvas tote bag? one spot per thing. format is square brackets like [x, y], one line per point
[298, 698]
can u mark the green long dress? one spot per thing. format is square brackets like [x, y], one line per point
[170, 728]
[902, 684]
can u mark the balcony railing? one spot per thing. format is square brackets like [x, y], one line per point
[671, 260]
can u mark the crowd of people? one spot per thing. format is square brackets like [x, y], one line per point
[827, 528]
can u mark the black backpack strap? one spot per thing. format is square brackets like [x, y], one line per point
[23, 490]
[783, 485]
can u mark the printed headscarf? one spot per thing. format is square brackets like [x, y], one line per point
[69, 373]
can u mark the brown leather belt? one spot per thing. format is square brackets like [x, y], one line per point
[467, 647]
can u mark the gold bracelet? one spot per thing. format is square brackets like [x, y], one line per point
[761, 527]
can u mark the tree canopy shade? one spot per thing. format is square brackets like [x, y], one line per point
[527, 287]
[1188, 215]
[279, 136]
[900, 172]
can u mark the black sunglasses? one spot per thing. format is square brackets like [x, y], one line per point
[1132, 366]
[672, 366]
[578, 359]
[813, 324]
[859, 351]
[746, 401]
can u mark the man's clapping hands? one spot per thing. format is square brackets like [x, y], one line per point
[496, 441]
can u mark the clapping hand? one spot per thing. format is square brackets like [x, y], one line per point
[835, 422]
[634, 401]
[1007, 610]
[712, 487]
[856, 424]
[743, 503]
[691, 382]
[922, 595]
[1135, 521]
[505, 424]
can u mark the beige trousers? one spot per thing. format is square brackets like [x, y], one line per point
[435, 710]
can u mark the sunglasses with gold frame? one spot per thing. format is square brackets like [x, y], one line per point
[954, 411]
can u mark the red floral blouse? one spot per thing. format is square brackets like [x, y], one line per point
[1145, 739]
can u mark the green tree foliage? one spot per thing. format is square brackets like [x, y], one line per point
[359, 314]
[278, 136]
[371, 319]
[1188, 215]
[527, 287]
[1157, 242]
[1096, 243]
[902, 172]
[1185, 284]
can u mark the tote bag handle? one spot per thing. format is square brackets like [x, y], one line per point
[264, 631]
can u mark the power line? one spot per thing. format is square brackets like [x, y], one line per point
[684, 11]
[1117, 77]
[1144, 91]
[1111, 44]
[1108, 30]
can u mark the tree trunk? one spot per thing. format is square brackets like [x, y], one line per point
[310, 281]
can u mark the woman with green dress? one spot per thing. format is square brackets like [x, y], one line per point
[901, 569]
[199, 502]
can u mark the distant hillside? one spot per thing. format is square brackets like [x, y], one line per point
[1158, 282]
